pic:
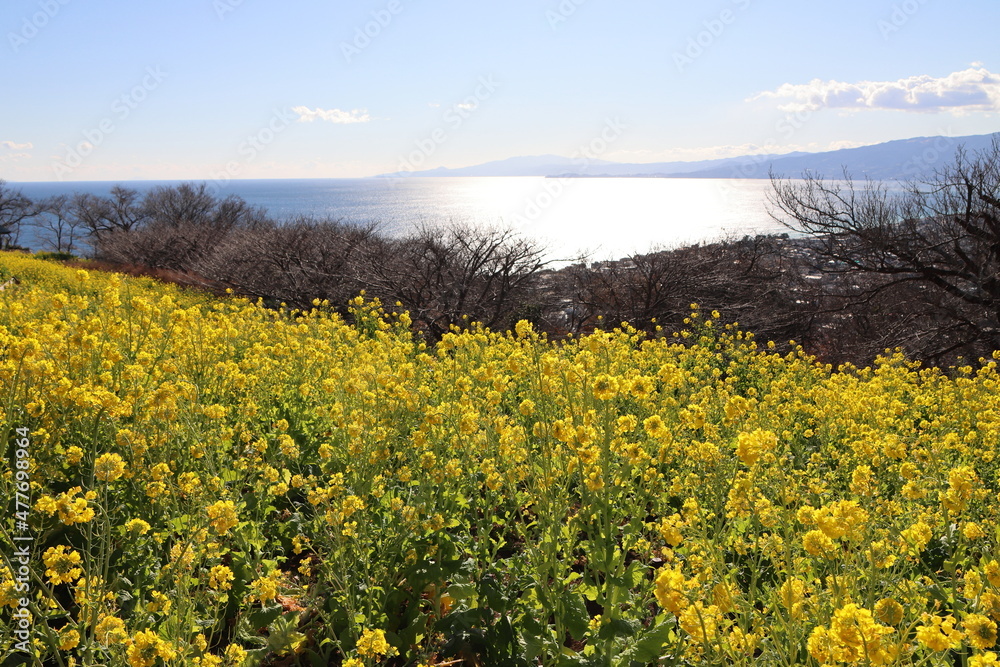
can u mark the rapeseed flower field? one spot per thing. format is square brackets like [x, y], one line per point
[216, 483]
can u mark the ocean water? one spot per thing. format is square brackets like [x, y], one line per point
[601, 218]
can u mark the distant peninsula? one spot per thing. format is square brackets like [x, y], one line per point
[892, 160]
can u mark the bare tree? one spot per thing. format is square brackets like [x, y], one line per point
[936, 241]
[294, 262]
[748, 280]
[15, 210]
[233, 212]
[170, 227]
[59, 228]
[122, 211]
[184, 203]
[442, 273]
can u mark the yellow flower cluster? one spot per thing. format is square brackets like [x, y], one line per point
[610, 498]
[62, 566]
[222, 516]
[109, 467]
[372, 644]
[145, 647]
[853, 637]
[68, 506]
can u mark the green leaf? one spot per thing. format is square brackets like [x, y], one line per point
[570, 658]
[619, 628]
[262, 618]
[588, 591]
[533, 647]
[649, 648]
[284, 636]
[179, 524]
[635, 574]
[576, 617]
[495, 599]
[461, 591]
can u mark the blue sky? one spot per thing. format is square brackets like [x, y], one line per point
[219, 89]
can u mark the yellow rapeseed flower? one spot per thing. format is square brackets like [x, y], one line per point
[138, 526]
[372, 644]
[109, 467]
[988, 659]
[938, 633]
[671, 586]
[69, 637]
[62, 566]
[980, 631]
[146, 647]
[889, 611]
[235, 655]
[74, 455]
[853, 637]
[222, 516]
[220, 578]
[992, 572]
[110, 630]
[818, 543]
[605, 387]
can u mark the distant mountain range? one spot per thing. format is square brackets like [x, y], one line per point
[893, 160]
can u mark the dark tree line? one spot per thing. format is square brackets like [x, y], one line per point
[15, 211]
[867, 269]
[920, 267]
[439, 274]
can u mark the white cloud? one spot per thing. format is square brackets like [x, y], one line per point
[11, 151]
[332, 115]
[973, 89]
